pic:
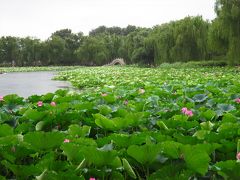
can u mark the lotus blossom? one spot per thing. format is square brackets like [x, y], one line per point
[104, 94]
[184, 110]
[1, 98]
[187, 112]
[53, 103]
[141, 91]
[40, 103]
[238, 156]
[237, 100]
[92, 178]
[66, 141]
[126, 102]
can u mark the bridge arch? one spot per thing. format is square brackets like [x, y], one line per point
[118, 61]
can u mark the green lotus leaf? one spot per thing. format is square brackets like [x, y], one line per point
[144, 154]
[44, 141]
[196, 158]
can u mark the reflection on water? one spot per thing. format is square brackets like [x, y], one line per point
[30, 83]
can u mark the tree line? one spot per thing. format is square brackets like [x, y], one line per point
[189, 39]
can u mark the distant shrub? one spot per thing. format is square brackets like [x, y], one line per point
[207, 63]
[193, 64]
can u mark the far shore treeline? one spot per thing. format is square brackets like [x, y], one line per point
[189, 39]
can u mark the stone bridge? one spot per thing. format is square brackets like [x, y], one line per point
[118, 61]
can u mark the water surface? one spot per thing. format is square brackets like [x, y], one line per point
[30, 83]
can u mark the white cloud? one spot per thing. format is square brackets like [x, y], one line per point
[40, 18]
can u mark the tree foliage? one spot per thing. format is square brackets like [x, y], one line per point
[228, 12]
[188, 39]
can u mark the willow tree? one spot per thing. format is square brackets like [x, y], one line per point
[228, 12]
[180, 41]
[93, 51]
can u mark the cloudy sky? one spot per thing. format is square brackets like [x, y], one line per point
[40, 18]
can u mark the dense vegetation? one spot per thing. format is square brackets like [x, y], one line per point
[126, 123]
[189, 39]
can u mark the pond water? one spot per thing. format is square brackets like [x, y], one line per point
[30, 83]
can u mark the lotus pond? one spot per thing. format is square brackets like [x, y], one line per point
[126, 123]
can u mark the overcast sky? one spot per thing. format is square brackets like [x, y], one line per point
[40, 18]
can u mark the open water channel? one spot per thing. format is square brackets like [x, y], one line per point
[30, 83]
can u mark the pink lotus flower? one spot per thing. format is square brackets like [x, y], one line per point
[141, 91]
[92, 178]
[1, 98]
[184, 110]
[187, 112]
[40, 104]
[53, 103]
[104, 94]
[66, 141]
[238, 156]
[237, 100]
[126, 102]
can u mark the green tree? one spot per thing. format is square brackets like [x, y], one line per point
[228, 15]
[29, 52]
[179, 41]
[56, 47]
[93, 51]
[217, 43]
[9, 50]
[71, 44]
[135, 46]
